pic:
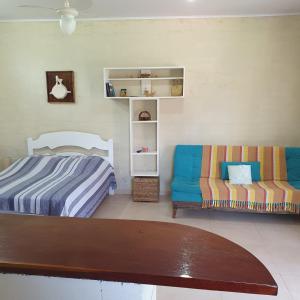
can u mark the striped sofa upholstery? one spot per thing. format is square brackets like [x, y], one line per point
[196, 181]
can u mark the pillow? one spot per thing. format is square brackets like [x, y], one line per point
[240, 174]
[255, 169]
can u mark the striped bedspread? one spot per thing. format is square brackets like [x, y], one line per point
[56, 185]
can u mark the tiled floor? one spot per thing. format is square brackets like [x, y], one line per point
[274, 239]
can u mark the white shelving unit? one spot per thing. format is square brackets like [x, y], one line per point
[161, 81]
[144, 134]
[166, 83]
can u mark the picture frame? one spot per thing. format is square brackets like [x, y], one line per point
[60, 86]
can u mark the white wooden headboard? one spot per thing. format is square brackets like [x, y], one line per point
[83, 140]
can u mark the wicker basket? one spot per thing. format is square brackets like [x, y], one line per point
[144, 116]
[145, 189]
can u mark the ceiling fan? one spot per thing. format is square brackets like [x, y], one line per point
[67, 16]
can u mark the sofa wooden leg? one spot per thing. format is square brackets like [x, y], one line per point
[174, 212]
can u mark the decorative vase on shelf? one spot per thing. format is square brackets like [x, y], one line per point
[177, 88]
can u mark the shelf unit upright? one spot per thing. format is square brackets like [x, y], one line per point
[144, 134]
[158, 83]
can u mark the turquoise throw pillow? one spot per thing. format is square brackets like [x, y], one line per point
[255, 169]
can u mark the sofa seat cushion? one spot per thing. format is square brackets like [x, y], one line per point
[185, 185]
[186, 197]
[295, 184]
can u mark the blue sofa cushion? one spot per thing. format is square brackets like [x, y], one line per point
[186, 197]
[187, 161]
[255, 169]
[295, 184]
[293, 167]
[180, 184]
[293, 163]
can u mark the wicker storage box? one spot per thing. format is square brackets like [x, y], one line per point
[145, 189]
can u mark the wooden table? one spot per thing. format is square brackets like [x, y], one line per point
[152, 253]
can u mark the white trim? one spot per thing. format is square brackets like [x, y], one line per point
[160, 18]
[190, 17]
[83, 140]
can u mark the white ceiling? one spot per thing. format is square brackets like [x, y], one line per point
[151, 8]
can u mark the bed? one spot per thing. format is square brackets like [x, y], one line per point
[68, 184]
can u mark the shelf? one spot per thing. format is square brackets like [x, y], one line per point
[162, 81]
[146, 98]
[117, 98]
[141, 98]
[143, 68]
[145, 174]
[143, 122]
[150, 78]
[144, 153]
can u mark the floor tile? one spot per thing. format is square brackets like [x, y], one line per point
[243, 234]
[171, 293]
[293, 285]
[286, 259]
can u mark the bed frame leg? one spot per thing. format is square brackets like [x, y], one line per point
[174, 211]
[111, 191]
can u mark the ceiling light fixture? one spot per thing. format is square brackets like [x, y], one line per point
[67, 18]
[67, 15]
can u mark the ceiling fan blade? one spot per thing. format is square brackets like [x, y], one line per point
[81, 5]
[37, 6]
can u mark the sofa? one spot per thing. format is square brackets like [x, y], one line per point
[198, 180]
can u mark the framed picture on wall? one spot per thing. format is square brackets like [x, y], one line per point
[60, 86]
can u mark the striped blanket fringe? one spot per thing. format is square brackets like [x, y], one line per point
[255, 206]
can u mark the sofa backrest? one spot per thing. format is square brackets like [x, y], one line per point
[187, 161]
[204, 160]
[272, 160]
[293, 163]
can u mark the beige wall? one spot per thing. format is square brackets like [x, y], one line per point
[243, 82]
